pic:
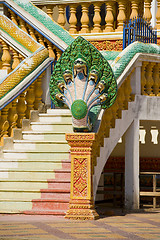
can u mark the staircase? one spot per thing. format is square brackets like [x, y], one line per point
[35, 172]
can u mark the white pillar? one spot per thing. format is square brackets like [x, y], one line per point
[132, 166]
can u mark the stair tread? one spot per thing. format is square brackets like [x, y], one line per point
[39, 141]
[58, 181]
[32, 151]
[62, 170]
[50, 123]
[55, 190]
[41, 132]
[26, 170]
[50, 200]
[35, 160]
[55, 115]
[45, 212]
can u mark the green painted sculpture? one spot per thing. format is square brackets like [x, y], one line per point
[82, 79]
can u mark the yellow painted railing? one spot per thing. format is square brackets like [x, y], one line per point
[97, 16]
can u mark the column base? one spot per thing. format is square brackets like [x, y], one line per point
[81, 210]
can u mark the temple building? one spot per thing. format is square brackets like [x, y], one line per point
[79, 106]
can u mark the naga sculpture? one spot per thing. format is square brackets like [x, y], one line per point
[82, 79]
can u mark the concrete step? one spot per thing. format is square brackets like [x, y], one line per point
[33, 154]
[56, 194]
[38, 145]
[64, 174]
[58, 128]
[22, 183]
[45, 212]
[61, 184]
[32, 164]
[66, 119]
[19, 194]
[14, 206]
[50, 204]
[59, 112]
[27, 174]
[46, 136]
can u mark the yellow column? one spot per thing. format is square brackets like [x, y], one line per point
[97, 18]
[13, 117]
[134, 7]
[149, 79]
[50, 49]
[13, 17]
[73, 19]
[21, 108]
[158, 15]
[50, 11]
[4, 124]
[32, 32]
[147, 10]
[41, 39]
[6, 57]
[109, 17]
[85, 18]
[30, 98]
[143, 78]
[81, 204]
[16, 60]
[61, 15]
[121, 16]
[22, 25]
[38, 92]
[156, 79]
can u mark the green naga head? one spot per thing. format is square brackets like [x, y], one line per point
[82, 79]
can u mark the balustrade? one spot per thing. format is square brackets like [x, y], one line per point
[82, 20]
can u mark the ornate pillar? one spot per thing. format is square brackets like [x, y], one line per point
[85, 18]
[149, 78]
[97, 18]
[158, 15]
[50, 11]
[81, 200]
[121, 16]
[61, 15]
[109, 17]
[16, 60]
[73, 19]
[134, 6]
[6, 57]
[147, 10]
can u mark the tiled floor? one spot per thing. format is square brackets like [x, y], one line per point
[130, 226]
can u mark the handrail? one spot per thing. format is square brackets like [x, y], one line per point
[38, 54]
[40, 21]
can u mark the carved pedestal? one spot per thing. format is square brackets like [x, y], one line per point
[81, 200]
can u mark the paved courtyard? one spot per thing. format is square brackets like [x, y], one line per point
[128, 226]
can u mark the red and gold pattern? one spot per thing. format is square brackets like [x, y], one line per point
[108, 45]
[81, 203]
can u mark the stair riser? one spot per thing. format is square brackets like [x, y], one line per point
[60, 112]
[55, 128]
[32, 165]
[62, 196]
[59, 176]
[36, 156]
[8, 165]
[45, 146]
[29, 175]
[22, 185]
[19, 195]
[50, 206]
[14, 207]
[55, 119]
[66, 166]
[59, 185]
[45, 137]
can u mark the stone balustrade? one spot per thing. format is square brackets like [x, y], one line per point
[20, 108]
[54, 51]
[96, 16]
